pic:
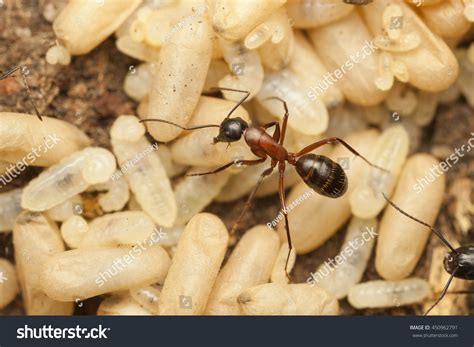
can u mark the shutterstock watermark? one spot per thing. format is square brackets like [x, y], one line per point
[121, 263]
[438, 169]
[48, 332]
[290, 207]
[332, 77]
[332, 264]
[14, 170]
[178, 26]
[126, 166]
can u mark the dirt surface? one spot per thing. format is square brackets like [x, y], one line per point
[88, 93]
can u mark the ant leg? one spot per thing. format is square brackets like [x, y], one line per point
[285, 117]
[443, 293]
[281, 192]
[330, 140]
[276, 134]
[23, 74]
[436, 232]
[251, 196]
[223, 167]
[241, 101]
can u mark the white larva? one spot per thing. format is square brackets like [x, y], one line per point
[402, 240]
[233, 19]
[83, 25]
[287, 299]
[73, 230]
[194, 193]
[8, 283]
[10, 208]
[381, 294]
[26, 139]
[71, 176]
[67, 276]
[144, 171]
[421, 45]
[147, 297]
[389, 152]
[36, 240]
[117, 193]
[66, 209]
[354, 256]
[246, 67]
[196, 263]
[120, 228]
[250, 264]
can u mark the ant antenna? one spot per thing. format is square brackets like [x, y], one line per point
[436, 232]
[179, 126]
[23, 74]
[241, 101]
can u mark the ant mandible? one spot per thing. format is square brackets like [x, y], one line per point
[458, 262]
[320, 173]
[22, 69]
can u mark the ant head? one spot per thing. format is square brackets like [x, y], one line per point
[231, 130]
[451, 261]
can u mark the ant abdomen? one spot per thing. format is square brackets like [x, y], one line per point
[322, 174]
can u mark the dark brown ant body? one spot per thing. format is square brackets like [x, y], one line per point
[320, 173]
[22, 69]
[459, 262]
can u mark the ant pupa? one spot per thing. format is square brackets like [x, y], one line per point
[320, 173]
[24, 72]
[458, 262]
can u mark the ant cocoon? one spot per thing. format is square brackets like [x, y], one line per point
[279, 271]
[348, 273]
[83, 25]
[67, 276]
[355, 76]
[121, 305]
[380, 294]
[196, 263]
[71, 176]
[446, 18]
[389, 152]
[144, 171]
[250, 264]
[178, 77]
[120, 228]
[273, 299]
[41, 144]
[36, 240]
[8, 284]
[401, 240]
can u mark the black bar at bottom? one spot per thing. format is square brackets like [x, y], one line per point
[366, 331]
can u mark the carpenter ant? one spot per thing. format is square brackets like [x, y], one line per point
[458, 262]
[323, 175]
[24, 72]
